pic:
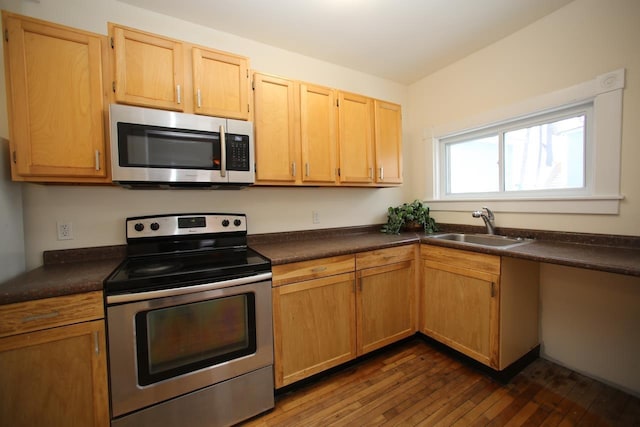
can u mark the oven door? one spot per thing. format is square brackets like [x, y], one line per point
[167, 346]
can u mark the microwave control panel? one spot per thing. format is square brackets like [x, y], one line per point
[237, 152]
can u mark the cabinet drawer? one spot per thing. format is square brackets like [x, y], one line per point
[384, 256]
[460, 259]
[312, 269]
[50, 312]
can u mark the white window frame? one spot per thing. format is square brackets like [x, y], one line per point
[601, 194]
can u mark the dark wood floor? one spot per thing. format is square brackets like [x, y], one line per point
[417, 384]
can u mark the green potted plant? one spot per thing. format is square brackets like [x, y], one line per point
[412, 215]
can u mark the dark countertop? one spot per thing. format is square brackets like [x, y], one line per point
[84, 270]
[621, 260]
[57, 280]
[285, 252]
[64, 272]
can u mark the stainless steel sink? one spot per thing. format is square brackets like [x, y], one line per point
[490, 240]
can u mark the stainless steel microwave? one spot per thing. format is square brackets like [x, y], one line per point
[159, 148]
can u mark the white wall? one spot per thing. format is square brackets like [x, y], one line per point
[575, 44]
[12, 256]
[97, 213]
[589, 320]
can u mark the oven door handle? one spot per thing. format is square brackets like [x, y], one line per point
[142, 296]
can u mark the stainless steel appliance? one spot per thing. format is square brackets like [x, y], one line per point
[152, 147]
[189, 324]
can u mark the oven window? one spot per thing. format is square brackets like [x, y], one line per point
[160, 147]
[175, 340]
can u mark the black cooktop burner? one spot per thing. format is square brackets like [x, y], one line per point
[154, 268]
[137, 274]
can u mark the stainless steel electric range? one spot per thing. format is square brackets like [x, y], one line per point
[189, 323]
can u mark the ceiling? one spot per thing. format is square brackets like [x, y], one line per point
[399, 40]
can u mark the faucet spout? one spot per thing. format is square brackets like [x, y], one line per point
[488, 218]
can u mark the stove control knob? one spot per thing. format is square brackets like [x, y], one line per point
[237, 223]
[155, 226]
[225, 222]
[139, 226]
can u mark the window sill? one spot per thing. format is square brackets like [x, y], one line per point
[601, 205]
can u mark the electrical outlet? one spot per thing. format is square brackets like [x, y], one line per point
[315, 217]
[65, 230]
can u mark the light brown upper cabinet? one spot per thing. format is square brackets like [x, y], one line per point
[55, 99]
[149, 69]
[388, 142]
[160, 72]
[277, 131]
[314, 135]
[318, 133]
[356, 138]
[220, 84]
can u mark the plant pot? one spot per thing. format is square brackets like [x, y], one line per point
[412, 226]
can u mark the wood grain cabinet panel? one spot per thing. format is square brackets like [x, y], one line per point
[277, 131]
[388, 142]
[56, 98]
[159, 72]
[313, 326]
[220, 84]
[385, 305]
[484, 306]
[318, 121]
[149, 69]
[356, 138]
[56, 375]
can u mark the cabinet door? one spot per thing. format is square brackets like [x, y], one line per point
[318, 123]
[314, 326]
[149, 69]
[55, 100]
[385, 305]
[55, 377]
[276, 129]
[388, 138]
[356, 138]
[461, 310]
[220, 84]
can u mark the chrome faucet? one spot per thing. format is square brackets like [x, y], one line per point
[487, 217]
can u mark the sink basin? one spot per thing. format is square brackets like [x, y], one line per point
[491, 240]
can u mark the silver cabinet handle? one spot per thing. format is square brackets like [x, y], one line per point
[178, 94]
[199, 98]
[42, 316]
[293, 169]
[96, 342]
[381, 173]
[306, 169]
[223, 152]
[97, 160]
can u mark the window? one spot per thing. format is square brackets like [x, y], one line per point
[557, 153]
[545, 154]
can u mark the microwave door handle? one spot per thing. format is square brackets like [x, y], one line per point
[223, 152]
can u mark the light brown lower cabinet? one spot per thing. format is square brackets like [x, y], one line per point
[386, 303]
[331, 310]
[484, 306]
[54, 376]
[314, 327]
